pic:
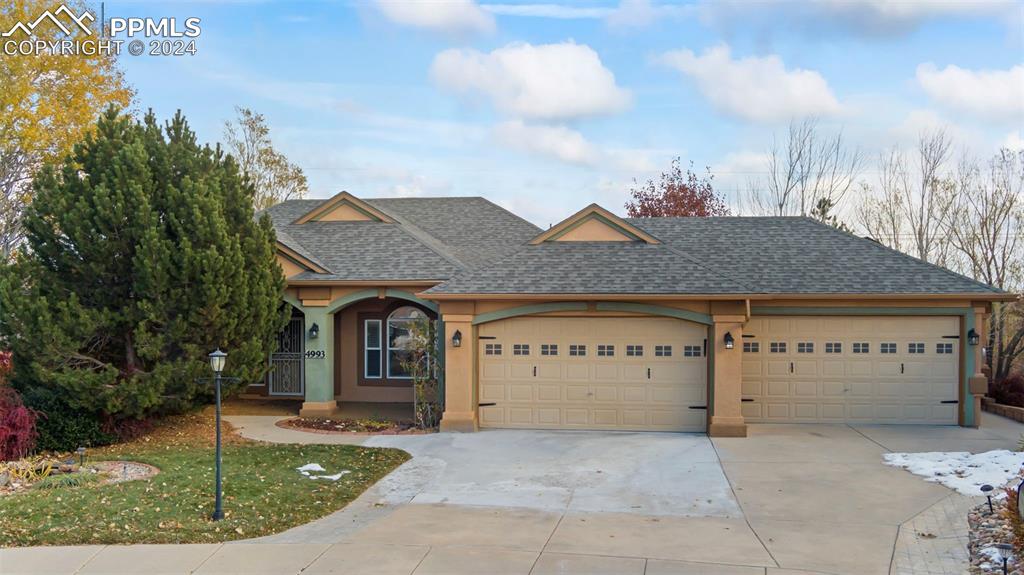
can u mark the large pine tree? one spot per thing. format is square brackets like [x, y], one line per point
[143, 255]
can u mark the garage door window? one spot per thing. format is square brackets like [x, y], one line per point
[549, 349]
[942, 348]
[861, 347]
[577, 350]
[691, 351]
[915, 348]
[751, 347]
[888, 348]
[663, 351]
[777, 347]
[521, 349]
[805, 347]
[834, 347]
[605, 350]
[634, 351]
[492, 349]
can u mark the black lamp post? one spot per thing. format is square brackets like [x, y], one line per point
[217, 359]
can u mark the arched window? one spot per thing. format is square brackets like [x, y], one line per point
[399, 340]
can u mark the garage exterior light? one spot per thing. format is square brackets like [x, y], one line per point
[972, 337]
[729, 341]
[457, 339]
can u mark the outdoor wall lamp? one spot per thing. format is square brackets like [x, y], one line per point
[457, 339]
[972, 337]
[314, 331]
[729, 341]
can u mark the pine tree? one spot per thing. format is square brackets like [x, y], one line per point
[143, 255]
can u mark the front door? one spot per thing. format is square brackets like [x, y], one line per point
[287, 364]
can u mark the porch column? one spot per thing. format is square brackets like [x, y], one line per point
[319, 400]
[977, 381]
[726, 418]
[460, 401]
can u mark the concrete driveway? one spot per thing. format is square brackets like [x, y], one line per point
[787, 499]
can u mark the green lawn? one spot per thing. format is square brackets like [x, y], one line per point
[263, 492]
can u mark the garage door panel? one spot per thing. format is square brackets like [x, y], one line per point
[640, 391]
[836, 384]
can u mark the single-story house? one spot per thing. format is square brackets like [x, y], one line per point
[603, 322]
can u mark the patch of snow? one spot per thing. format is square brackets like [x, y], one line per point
[305, 469]
[334, 477]
[959, 470]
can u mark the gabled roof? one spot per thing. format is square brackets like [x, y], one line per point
[603, 225]
[724, 255]
[345, 202]
[429, 239]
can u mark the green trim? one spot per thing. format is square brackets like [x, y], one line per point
[602, 219]
[773, 310]
[712, 336]
[529, 310]
[439, 344]
[661, 310]
[965, 348]
[294, 301]
[351, 299]
[401, 294]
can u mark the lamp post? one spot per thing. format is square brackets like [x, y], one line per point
[987, 490]
[217, 359]
[1005, 551]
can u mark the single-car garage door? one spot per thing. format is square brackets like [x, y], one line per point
[593, 373]
[851, 369]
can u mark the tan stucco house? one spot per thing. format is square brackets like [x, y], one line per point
[602, 322]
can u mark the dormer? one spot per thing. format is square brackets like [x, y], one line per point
[345, 207]
[594, 224]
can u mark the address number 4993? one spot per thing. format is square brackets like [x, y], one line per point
[316, 354]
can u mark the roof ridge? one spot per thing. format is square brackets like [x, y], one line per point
[433, 244]
[668, 245]
[877, 244]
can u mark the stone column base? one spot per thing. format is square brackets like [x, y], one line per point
[319, 408]
[727, 427]
[459, 422]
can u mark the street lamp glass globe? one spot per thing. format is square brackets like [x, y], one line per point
[217, 359]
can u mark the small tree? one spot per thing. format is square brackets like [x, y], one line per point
[676, 195]
[822, 212]
[142, 255]
[421, 363]
[274, 177]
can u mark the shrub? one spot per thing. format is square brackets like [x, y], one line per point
[1009, 391]
[62, 427]
[66, 480]
[17, 422]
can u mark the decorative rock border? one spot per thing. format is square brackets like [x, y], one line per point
[987, 529]
[283, 424]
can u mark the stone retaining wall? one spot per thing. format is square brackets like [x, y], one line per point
[1014, 413]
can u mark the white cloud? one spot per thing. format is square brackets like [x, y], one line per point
[760, 89]
[547, 82]
[642, 13]
[570, 146]
[555, 11]
[871, 18]
[994, 94]
[1014, 141]
[450, 16]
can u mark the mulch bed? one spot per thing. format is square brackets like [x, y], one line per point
[351, 426]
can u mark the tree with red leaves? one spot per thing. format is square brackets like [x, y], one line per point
[17, 422]
[676, 195]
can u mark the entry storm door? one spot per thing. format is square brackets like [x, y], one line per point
[287, 364]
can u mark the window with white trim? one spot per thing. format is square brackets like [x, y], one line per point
[605, 350]
[915, 347]
[833, 347]
[371, 349]
[777, 347]
[577, 350]
[634, 351]
[691, 351]
[861, 347]
[888, 347]
[943, 348]
[663, 351]
[751, 347]
[492, 349]
[805, 347]
[549, 349]
[520, 349]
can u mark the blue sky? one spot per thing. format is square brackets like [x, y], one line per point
[546, 107]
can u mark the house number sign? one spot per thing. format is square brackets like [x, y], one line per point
[316, 354]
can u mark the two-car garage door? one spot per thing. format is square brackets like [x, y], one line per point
[624, 373]
[851, 369]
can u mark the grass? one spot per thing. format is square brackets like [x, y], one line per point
[263, 494]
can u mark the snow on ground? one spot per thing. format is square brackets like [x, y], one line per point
[959, 470]
[308, 468]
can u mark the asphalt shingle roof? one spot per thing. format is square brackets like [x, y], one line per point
[432, 239]
[743, 255]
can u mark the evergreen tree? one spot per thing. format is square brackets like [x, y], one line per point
[143, 255]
